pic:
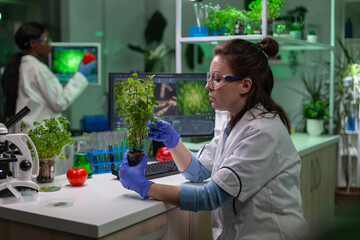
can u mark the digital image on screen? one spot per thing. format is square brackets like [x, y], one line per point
[165, 94]
[182, 101]
[120, 96]
[65, 61]
[193, 98]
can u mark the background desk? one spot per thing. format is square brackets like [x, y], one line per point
[103, 209]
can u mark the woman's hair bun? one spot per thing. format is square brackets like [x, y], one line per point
[269, 46]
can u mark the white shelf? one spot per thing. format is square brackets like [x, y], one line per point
[352, 40]
[285, 43]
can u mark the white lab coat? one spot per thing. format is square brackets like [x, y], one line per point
[261, 153]
[41, 91]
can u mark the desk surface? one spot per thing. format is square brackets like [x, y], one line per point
[102, 206]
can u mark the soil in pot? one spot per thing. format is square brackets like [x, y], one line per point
[134, 157]
[348, 202]
[46, 171]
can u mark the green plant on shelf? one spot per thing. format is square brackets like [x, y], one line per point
[216, 20]
[280, 28]
[312, 32]
[224, 18]
[294, 24]
[273, 9]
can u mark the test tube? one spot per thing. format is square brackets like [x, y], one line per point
[94, 149]
[196, 12]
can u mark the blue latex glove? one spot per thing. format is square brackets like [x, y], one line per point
[86, 69]
[162, 131]
[133, 178]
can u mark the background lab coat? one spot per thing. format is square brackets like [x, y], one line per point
[262, 154]
[41, 91]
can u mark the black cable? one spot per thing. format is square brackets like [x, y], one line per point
[240, 187]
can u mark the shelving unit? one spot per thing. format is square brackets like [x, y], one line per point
[285, 44]
[351, 10]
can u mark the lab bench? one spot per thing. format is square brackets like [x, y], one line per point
[103, 209]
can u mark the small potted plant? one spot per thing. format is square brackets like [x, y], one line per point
[49, 139]
[315, 112]
[139, 101]
[312, 36]
[315, 108]
[295, 26]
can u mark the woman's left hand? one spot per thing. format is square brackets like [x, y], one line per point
[133, 177]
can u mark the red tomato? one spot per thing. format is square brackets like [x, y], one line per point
[163, 154]
[76, 176]
[88, 57]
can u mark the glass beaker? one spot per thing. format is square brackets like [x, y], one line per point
[81, 158]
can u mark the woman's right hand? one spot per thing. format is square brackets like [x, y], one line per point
[162, 131]
[86, 69]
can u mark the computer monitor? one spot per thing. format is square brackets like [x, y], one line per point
[65, 57]
[183, 102]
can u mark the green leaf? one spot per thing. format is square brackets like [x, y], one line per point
[50, 137]
[139, 102]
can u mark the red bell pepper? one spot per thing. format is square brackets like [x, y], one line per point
[88, 57]
[163, 154]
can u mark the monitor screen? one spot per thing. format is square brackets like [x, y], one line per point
[65, 58]
[183, 101]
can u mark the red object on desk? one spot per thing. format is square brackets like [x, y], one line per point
[163, 154]
[88, 57]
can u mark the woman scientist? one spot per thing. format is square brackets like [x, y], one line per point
[29, 82]
[254, 191]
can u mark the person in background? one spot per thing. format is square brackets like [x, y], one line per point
[254, 190]
[29, 82]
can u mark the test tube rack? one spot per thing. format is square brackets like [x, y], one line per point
[103, 161]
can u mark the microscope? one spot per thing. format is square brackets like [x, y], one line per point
[18, 164]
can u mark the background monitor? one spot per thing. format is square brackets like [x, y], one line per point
[65, 57]
[183, 101]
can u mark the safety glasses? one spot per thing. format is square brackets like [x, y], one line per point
[44, 40]
[217, 80]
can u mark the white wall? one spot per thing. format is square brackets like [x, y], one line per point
[121, 22]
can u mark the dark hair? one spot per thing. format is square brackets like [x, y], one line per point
[10, 79]
[250, 60]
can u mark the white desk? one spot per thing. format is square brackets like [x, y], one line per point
[102, 206]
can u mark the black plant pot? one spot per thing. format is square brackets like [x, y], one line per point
[348, 202]
[134, 157]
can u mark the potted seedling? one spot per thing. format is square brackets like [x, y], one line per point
[315, 107]
[315, 113]
[312, 36]
[139, 101]
[295, 26]
[49, 139]
[273, 12]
